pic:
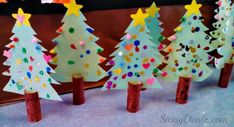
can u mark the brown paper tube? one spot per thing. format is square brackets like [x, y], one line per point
[78, 89]
[183, 90]
[33, 106]
[225, 75]
[133, 99]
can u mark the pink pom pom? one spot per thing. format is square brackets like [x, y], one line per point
[219, 3]
[164, 74]
[217, 17]
[34, 40]
[128, 36]
[172, 38]
[82, 43]
[160, 47]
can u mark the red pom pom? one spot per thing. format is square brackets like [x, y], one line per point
[16, 39]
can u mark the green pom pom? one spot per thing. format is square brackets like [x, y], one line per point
[41, 73]
[47, 95]
[49, 80]
[70, 62]
[180, 68]
[24, 50]
[99, 50]
[182, 19]
[25, 60]
[71, 30]
[161, 38]
[155, 70]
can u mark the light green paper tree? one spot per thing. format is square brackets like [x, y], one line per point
[136, 57]
[227, 51]
[76, 50]
[222, 16]
[153, 25]
[29, 69]
[188, 49]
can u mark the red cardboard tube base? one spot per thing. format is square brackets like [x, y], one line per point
[133, 99]
[225, 75]
[78, 90]
[183, 90]
[33, 106]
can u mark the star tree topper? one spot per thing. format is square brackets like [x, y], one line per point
[73, 8]
[193, 8]
[22, 18]
[139, 18]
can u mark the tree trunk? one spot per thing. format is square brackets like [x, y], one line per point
[133, 99]
[78, 89]
[33, 106]
[225, 75]
[183, 90]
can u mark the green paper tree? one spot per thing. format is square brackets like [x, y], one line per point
[153, 25]
[136, 58]
[76, 50]
[227, 51]
[29, 69]
[222, 16]
[188, 49]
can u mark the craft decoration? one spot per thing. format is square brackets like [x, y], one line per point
[154, 26]
[29, 70]
[136, 59]
[76, 50]
[227, 51]
[188, 52]
[222, 16]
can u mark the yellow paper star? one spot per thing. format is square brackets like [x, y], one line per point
[152, 10]
[73, 8]
[22, 18]
[193, 8]
[139, 18]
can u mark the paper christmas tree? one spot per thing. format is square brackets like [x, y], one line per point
[227, 51]
[76, 50]
[154, 26]
[222, 16]
[188, 50]
[28, 64]
[136, 59]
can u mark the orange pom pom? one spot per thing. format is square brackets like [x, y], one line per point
[170, 49]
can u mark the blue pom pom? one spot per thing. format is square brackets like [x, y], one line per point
[109, 73]
[88, 51]
[137, 43]
[194, 71]
[123, 44]
[13, 82]
[38, 47]
[89, 30]
[48, 69]
[233, 44]
[121, 64]
[29, 75]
